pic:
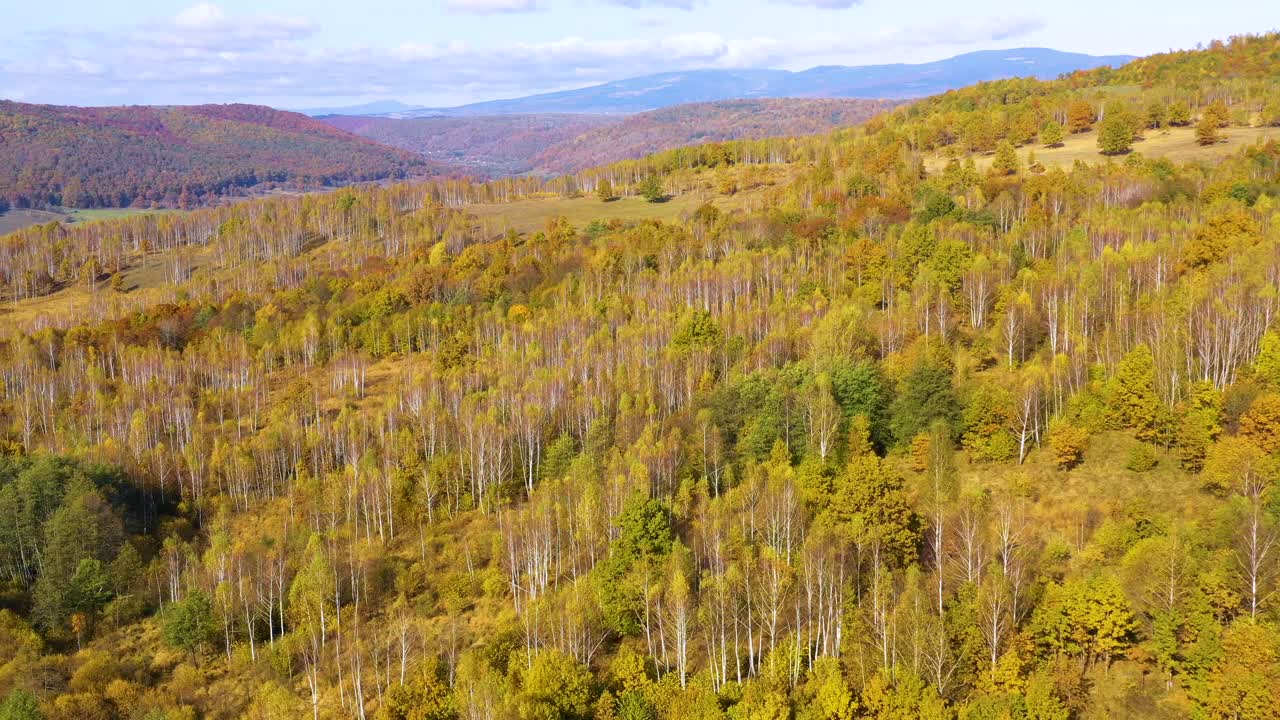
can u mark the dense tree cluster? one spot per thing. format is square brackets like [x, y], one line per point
[1231, 84]
[890, 444]
[177, 156]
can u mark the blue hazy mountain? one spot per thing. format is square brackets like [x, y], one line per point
[895, 81]
[380, 107]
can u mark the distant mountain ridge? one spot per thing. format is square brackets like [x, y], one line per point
[181, 156]
[378, 107]
[892, 81]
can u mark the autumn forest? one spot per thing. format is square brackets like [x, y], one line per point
[968, 412]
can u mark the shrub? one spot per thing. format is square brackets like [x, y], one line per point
[1142, 459]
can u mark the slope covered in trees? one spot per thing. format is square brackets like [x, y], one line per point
[553, 144]
[889, 443]
[489, 145]
[658, 130]
[177, 156]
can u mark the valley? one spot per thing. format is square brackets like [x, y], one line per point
[549, 145]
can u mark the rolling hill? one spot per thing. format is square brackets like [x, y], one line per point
[140, 156]
[897, 80]
[549, 144]
[178, 156]
[650, 132]
[494, 145]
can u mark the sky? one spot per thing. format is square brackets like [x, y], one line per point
[308, 53]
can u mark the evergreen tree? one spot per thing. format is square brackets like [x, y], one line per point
[1052, 134]
[1115, 135]
[89, 592]
[1132, 399]
[21, 705]
[1006, 159]
[861, 389]
[85, 527]
[924, 396]
[644, 542]
[189, 624]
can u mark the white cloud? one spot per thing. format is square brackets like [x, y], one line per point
[208, 27]
[486, 7]
[205, 54]
[641, 4]
[200, 17]
[823, 4]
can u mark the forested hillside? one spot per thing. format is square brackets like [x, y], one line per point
[647, 133]
[897, 438]
[489, 146]
[176, 156]
[555, 144]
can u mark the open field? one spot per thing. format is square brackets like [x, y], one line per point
[147, 281]
[1065, 496]
[15, 220]
[531, 215]
[1176, 144]
[111, 213]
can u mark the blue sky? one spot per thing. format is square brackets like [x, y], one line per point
[302, 53]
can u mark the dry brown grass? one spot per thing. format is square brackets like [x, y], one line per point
[15, 220]
[532, 215]
[1177, 144]
[146, 282]
[1068, 505]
